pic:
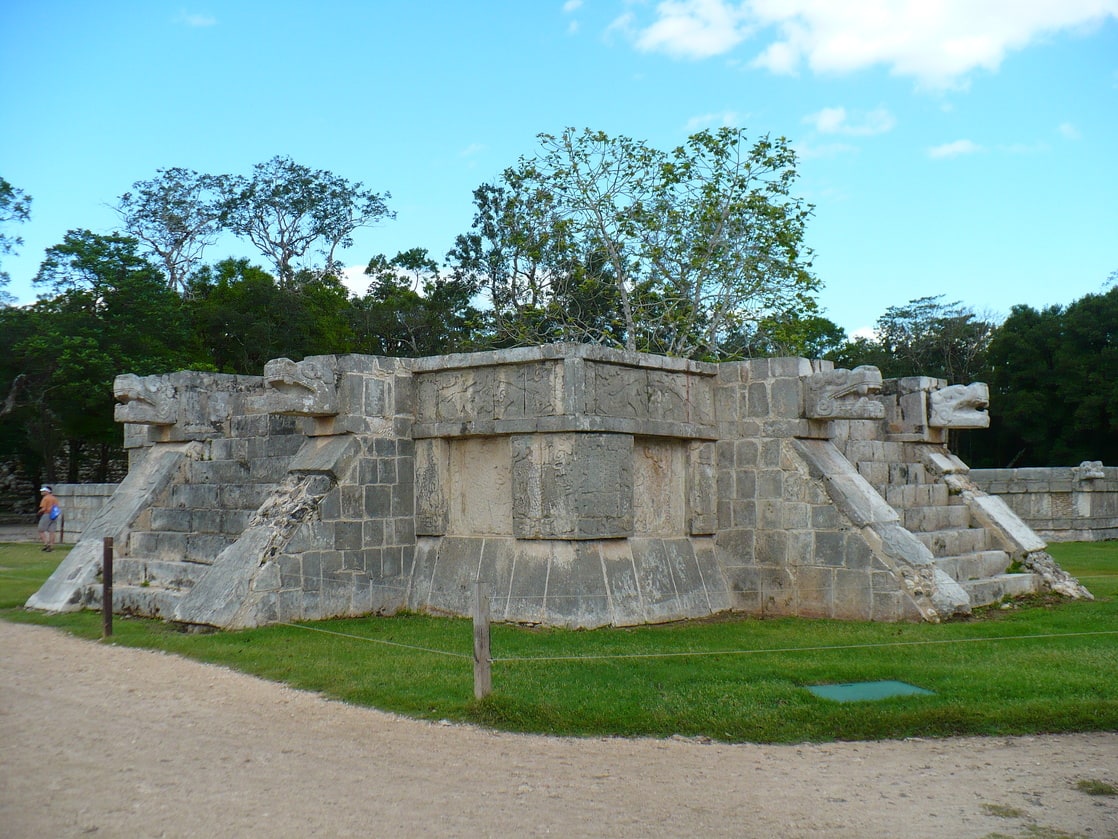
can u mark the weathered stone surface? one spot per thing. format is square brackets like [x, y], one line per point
[843, 394]
[305, 388]
[960, 406]
[67, 588]
[145, 400]
[587, 486]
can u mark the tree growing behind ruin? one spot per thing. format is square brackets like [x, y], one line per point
[1054, 394]
[288, 211]
[15, 206]
[610, 240]
[109, 311]
[177, 215]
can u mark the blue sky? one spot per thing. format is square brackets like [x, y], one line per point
[967, 148]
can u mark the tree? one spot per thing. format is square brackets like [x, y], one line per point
[15, 206]
[110, 312]
[695, 243]
[925, 337]
[177, 215]
[1055, 397]
[243, 317]
[541, 289]
[287, 210]
[806, 334]
[411, 310]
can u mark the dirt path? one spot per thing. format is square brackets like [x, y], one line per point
[106, 741]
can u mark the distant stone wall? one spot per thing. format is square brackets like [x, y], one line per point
[80, 503]
[1062, 504]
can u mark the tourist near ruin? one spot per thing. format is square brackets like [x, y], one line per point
[585, 486]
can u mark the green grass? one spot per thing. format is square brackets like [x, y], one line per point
[1045, 666]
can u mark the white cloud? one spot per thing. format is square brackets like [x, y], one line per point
[195, 20]
[1069, 131]
[937, 42]
[356, 280]
[692, 28]
[572, 5]
[955, 149]
[855, 124]
[472, 150]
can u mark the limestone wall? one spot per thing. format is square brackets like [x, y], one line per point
[1063, 504]
[586, 486]
[80, 504]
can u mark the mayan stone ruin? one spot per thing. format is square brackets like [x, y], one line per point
[586, 486]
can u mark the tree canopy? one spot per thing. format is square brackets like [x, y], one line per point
[177, 214]
[15, 206]
[287, 210]
[606, 239]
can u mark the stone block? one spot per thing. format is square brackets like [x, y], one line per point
[573, 486]
[851, 596]
[576, 592]
[770, 484]
[778, 591]
[771, 547]
[527, 587]
[174, 519]
[655, 579]
[758, 400]
[814, 592]
[348, 535]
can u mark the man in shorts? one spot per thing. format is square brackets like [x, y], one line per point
[48, 517]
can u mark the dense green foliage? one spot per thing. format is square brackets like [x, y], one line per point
[1052, 375]
[608, 240]
[15, 206]
[1044, 666]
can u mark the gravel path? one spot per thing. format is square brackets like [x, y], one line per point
[107, 741]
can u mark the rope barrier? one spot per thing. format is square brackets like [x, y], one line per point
[704, 653]
[375, 640]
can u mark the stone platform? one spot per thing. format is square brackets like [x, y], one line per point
[585, 486]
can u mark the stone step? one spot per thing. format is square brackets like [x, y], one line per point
[976, 566]
[179, 547]
[874, 451]
[892, 474]
[945, 517]
[165, 573]
[915, 495]
[970, 540]
[149, 601]
[994, 589]
[201, 519]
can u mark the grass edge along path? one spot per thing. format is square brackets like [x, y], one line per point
[1041, 666]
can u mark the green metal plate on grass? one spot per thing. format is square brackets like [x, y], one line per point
[864, 691]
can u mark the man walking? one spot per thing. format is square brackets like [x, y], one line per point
[49, 511]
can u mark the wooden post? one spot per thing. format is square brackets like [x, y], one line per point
[483, 675]
[107, 588]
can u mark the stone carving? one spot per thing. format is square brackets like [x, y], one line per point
[959, 406]
[306, 388]
[145, 400]
[1090, 470]
[843, 394]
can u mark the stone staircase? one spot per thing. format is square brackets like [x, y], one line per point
[176, 542]
[962, 548]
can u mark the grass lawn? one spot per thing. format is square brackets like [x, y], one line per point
[1046, 665]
